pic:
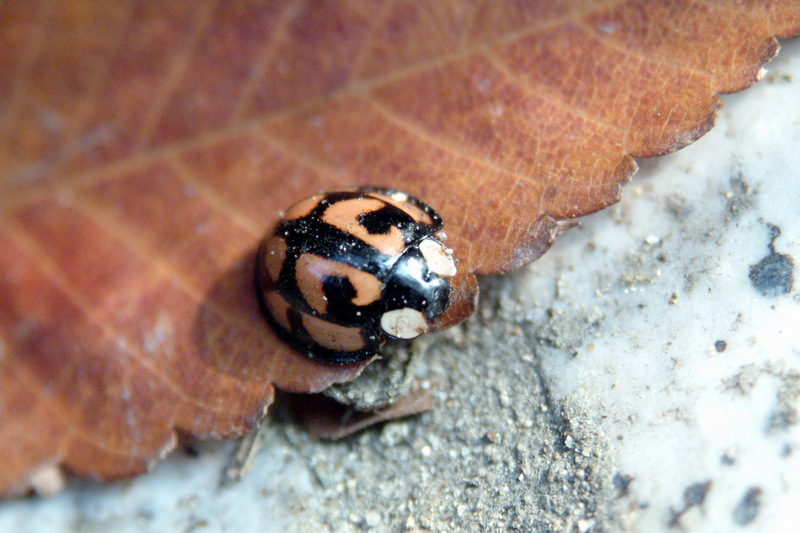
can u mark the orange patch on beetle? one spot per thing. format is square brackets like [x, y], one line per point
[274, 256]
[278, 307]
[311, 271]
[333, 336]
[304, 207]
[344, 215]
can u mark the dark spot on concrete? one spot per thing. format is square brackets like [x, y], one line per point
[740, 197]
[781, 419]
[787, 450]
[622, 483]
[728, 458]
[145, 514]
[747, 510]
[696, 494]
[720, 346]
[693, 496]
[773, 275]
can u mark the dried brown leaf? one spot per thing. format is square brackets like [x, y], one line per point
[146, 147]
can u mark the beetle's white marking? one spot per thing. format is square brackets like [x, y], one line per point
[47, 479]
[440, 259]
[398, 196]
[404, 323]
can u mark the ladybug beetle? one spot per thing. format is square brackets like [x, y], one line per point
[344, 271]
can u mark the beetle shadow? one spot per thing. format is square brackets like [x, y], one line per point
[229, 330]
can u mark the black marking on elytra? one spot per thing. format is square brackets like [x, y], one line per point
[381, 221]
[312, 236]
[774, 274]
[340, 293]
[438, 223]
[302, 341]
[296, 322]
